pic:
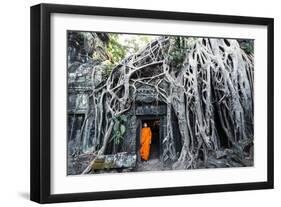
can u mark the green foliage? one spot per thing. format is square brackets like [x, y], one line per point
[247, 46]
[119, 129]
[122, 129]
[136, 42]
[177, 52]
[123, 45]
[108, 67]
[116, 50]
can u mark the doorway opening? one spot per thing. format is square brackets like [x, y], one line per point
[154, 125]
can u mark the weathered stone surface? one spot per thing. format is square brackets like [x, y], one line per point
[84, 61]
[129, 144]
[151, 110]
[119, 160]
[77, 163]
[151, 165]
[147, 94]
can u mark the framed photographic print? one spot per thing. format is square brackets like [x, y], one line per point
[132, 103]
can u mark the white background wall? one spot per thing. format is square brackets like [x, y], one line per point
[14, 101]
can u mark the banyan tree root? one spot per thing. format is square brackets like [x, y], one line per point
[217, 78]
[211, 87]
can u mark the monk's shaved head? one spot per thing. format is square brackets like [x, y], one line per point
[145, 124]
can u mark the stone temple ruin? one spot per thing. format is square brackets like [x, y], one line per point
[146, 108]
[86, 54]
[80, 66]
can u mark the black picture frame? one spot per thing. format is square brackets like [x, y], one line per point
[41, 99]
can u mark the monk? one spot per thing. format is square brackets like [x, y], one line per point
[145, 142]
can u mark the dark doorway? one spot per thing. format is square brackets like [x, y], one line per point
[154, 125]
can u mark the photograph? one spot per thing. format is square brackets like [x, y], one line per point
[135, 102]
[156, 102]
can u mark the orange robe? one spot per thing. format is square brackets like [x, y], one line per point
[145, 143]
